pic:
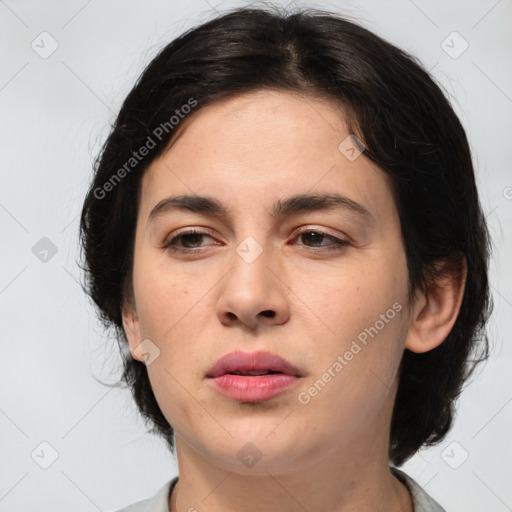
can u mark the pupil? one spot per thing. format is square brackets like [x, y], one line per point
[194, 236]
[313, 237]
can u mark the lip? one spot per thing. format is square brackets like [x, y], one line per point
[251, 361]
[252, 388]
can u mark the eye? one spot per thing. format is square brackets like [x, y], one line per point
[190, 239]
[315, 236]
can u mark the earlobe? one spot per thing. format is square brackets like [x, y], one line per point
[437, 309]
[132, 330]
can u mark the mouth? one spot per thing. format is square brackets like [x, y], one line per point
[252, 377]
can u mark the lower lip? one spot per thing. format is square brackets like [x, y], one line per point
[255, 388]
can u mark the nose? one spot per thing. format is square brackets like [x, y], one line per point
[253, 293]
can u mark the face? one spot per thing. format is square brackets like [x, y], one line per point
[320, 284]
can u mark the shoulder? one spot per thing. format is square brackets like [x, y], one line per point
[158, 503]
[422, 501]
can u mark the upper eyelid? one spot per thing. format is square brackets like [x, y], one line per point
[324, 231]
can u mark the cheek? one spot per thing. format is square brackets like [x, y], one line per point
[341, 300]
[165, 295]
[169, 311]
[363, 309]
[352, 378]
[175, 312]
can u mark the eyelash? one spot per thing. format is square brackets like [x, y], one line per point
[169, 245]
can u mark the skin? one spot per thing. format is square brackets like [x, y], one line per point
[330, 454]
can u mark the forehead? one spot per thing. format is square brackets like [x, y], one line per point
[259, 145]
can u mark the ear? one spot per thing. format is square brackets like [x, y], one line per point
[436, 310]
[132, 331]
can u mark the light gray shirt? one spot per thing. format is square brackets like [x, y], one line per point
[160, 501]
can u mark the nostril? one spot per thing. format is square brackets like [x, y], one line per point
[269, 313]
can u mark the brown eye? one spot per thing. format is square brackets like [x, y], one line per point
[314, 239]
[190, 241]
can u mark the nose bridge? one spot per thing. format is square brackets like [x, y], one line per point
[251, 275]
[252, 290]
[253, 259]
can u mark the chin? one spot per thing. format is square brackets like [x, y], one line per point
[258, 453]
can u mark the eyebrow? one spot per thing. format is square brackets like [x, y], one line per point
[281, 208]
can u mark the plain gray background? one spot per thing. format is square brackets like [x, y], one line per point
[55, 112]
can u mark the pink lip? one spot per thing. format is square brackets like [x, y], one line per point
[247, 361]
[252, 388]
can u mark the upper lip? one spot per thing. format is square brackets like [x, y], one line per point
[239, 361]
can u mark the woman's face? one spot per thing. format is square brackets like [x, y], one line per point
[253, 280]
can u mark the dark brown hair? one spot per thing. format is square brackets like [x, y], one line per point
[408, 129]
